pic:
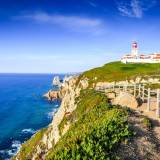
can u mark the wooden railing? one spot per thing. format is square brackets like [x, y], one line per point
[147, 95]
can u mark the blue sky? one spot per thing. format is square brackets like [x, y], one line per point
[50, 36]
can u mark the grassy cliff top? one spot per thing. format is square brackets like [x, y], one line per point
[117, 71]
[96, 127]
[95, 132]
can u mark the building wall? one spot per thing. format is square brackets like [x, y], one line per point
[140, 61]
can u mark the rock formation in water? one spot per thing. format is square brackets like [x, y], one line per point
[68, 93]
[143, 146]
[56, 81]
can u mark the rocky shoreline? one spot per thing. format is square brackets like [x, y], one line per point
[52, 95]
[69, 91]
[61, 84]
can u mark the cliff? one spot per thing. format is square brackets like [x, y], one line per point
[38, 147]
[87, 126]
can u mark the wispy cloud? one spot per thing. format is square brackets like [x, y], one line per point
[74, 23]
[134, 8]
[92, 4]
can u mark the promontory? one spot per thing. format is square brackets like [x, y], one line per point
[106, 113]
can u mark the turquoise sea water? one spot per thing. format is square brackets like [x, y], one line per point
[23, 110]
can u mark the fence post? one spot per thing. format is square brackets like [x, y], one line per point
[143, 93]
[158, 103]
[119, 89]
[139, 90]
[148, 101]
[134, 90]
[123, 88]
[126, 87]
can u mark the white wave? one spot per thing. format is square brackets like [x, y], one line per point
[16, 144]
[2, 151]
[15, 147]
[51, 114]
[11, 152]
[28, 130]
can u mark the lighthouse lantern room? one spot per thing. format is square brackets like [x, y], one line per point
[134, 49]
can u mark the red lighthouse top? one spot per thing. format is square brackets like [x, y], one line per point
[134, 45]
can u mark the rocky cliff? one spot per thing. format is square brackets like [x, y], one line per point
[69, 92]
[99, 126]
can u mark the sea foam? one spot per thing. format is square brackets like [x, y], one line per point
[15, 147]
[28, 130]
[51, 114]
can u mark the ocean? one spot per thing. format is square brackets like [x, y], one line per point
[23, 110]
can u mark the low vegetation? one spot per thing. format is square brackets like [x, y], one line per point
[97, 128]
[117, 71]
[153, 86]
[146, 122]
[28, 148]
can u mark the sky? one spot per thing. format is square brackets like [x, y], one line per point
[59, 36]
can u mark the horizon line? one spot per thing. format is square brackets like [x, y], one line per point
[38, 73]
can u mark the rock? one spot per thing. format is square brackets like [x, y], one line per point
[111, 95]
[56, 81]
[138, 80]
[67, 78]
[69, 92]
[52, 95]
[126, 100]
[66, 127]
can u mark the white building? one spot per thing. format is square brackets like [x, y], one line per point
[134, 57]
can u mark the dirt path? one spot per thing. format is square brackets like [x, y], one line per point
[145, 145]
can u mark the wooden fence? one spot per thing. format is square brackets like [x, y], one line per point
[147, 95]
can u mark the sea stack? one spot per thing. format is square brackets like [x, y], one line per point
[56, 81]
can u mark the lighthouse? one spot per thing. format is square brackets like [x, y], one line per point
[134, 51]
[135, 57]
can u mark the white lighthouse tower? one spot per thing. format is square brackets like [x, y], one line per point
[134, 51]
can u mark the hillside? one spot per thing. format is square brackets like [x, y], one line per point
[117, 71]
[87, 126]
[96, 130]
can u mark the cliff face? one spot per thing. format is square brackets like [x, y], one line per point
[70, 91]
[92, 111]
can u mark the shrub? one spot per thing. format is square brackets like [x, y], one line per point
[147, 123]
[95, 134]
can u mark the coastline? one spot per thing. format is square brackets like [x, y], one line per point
[23, 110]
[80, 91]
[69, 92]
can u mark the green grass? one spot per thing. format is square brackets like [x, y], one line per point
[88, 100]
[153, 86]
[117, 71]
[146, 122]
[97, 128]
